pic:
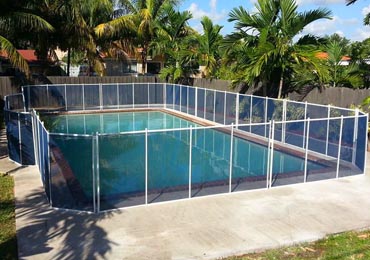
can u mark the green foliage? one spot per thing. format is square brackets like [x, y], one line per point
[8, 240]
[263, 48]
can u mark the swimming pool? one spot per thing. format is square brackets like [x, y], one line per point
[104, 159]
[122, 158]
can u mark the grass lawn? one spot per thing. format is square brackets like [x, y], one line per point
[348, 245]
[8, 239]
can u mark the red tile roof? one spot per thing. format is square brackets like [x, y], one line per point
[28, 55]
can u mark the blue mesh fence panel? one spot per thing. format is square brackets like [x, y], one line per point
[244, 112]
[210, 171]
[56, 97]
[168, 172]
[141, 95]
[318, 135]
[12, 132]
[201, 103]
[156, 94]
[361, 143]
[169, 96]
[125, 95]
[258, 115]
[27, 150]
[334, 131]
[91, 97]
[337, 112]
[346, 150]
[249, 165]
[71, 175]
[46, 162]
[230, 108]
[296, 111]
[192, 101]
[295, 133]
[210, 99]
[176, 100]
[74, 100]
[37, 96]
[315, 111]
[184, 99]
[110, 95]
[220, 107]
[122, 170]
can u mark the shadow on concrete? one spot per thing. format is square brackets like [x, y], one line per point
[42, 229]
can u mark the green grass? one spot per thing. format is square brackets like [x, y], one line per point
[348, 245]
[8, 239]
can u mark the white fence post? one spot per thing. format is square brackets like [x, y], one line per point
[272, 152]
[250, 113]
[101, 96]
[225, 108]
[97, 173]
[118, 100]
[327, 132]
[304, 125]
[196, 101]
[268, 156]
[65, 96]
[190, 158]
[355, 133]
[146, 165]
[306, 152]
[231, 156]
[214, 105]
[339, 145]
[93, 167]
[265, 120]
[237, 111]
[283, 126]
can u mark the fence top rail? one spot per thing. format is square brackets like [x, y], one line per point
[194, 87]
[202, 127]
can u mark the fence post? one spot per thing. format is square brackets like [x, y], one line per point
[93, 168]
[272, 152]
[304, 125]
[146, 165]
[250, 113]
[225, 108]
[187, 99]
[339, 145]
[237, 111]
[355, 136]
[265, 120]
[47, 96]
[283, 127]
[133, 95]
[65, 96]
[196, 102]
[164, 93]
[180, 98]
[306, 152]
[118, 100]
[49, 167]
[20, 139]
[205, 104]
[148, 95]
[83, 97]
[190, 158]
[97, 172]
[101, 96]
[327, 132]
[231, 156]
[214, 105]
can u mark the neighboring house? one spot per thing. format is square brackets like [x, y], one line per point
[116, 67]
[36, 66]
[345, 60]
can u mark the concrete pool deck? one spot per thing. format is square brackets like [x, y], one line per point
[201, 228]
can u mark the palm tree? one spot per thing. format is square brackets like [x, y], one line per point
[145, 15]
[209, 44]
[14, 17]
[267, 40]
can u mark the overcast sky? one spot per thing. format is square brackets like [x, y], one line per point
[347, 20]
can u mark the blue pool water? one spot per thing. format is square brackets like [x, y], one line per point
[122, 156]
[110, 123]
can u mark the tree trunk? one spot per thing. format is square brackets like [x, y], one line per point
[280, 87]
[68, 60]
[143, 59]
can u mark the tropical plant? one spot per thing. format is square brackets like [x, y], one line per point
[142, 17]
[208, 47]
[266, 46]
[17, 16]
[340, 75]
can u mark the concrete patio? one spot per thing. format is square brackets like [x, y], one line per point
[201, 228]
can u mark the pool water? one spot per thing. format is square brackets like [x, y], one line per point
[122, 156]
[110, 123]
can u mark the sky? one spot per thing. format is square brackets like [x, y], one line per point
[346, 21]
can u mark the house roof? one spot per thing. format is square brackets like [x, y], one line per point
[28, 55]
[325, 56]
